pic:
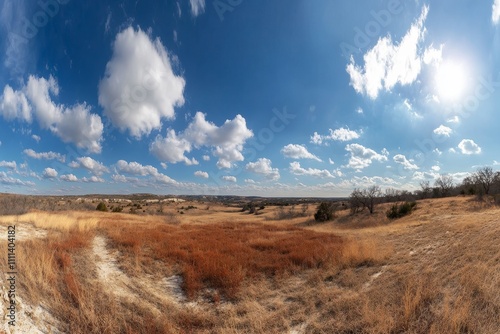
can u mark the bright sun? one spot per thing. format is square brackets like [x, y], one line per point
[450, 80]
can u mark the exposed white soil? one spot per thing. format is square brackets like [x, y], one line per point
[25, 232]
[143, 290]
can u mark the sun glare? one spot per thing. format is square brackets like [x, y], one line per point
[450, 80]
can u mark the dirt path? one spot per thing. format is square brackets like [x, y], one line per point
[143, 290]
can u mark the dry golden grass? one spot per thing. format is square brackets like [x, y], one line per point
[64, 221]
[435, 271]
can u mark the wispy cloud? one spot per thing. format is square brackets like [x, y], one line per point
[389, 63]
[197, 7]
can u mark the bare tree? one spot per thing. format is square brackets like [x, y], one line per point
[484, 177]
[426, 189]
[371, 196]
[445, 184]
[356, 201]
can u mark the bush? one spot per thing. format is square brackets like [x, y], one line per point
[401, 210]
[496, 199]
[117, 209]
[102, 207]
[326, 211]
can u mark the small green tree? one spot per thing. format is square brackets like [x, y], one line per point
[325, 212]
[102, 207]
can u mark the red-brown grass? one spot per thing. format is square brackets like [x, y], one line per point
[222, 256]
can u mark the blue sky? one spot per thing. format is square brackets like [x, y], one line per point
[270, 98]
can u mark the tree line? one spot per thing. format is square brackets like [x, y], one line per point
[484, 181]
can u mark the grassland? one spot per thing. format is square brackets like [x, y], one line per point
[214, 269]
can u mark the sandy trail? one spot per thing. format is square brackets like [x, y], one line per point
[143, 290]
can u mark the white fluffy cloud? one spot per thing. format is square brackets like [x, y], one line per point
[93, 166]
[69, 178]
[8, 164]
[72, 124]
[295, 151]
[49, 173]
[44, 155]
[78, 125]
[468, 147]
[135, 168]
[93, 179]
[263, 167]
[362, 157]
[443, 131]
[341, 134]
[495, 14]
[401, 159]
[199, 173]
[139, 87]
[7, 180]
[226, 141]
[14, 104]
[197, 7]
[296, 169]
[36, 138]
[171, 148]
[229, 178]
[389, 63]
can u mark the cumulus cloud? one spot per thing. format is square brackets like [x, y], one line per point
[436, 168]
[199, 173]
[263, 167]
[14, 105]
[7, 180]
[495, 13]
[298, 152]
[93, 166]
[197, 7]
[296, 169]
[389, 63]
[36, 138]
[44, 155]
[73, 124]
[362, 157]
[49, 173]
[229, 178]
[8, 164]
[206, 158]
[135, 168]
[93, 179]
[69, 178]
[139, 87]
[401, 159]
[172, 148]
[468, 147]
[78, 125]
[226, 141]
[341, 134]
[443, 131]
